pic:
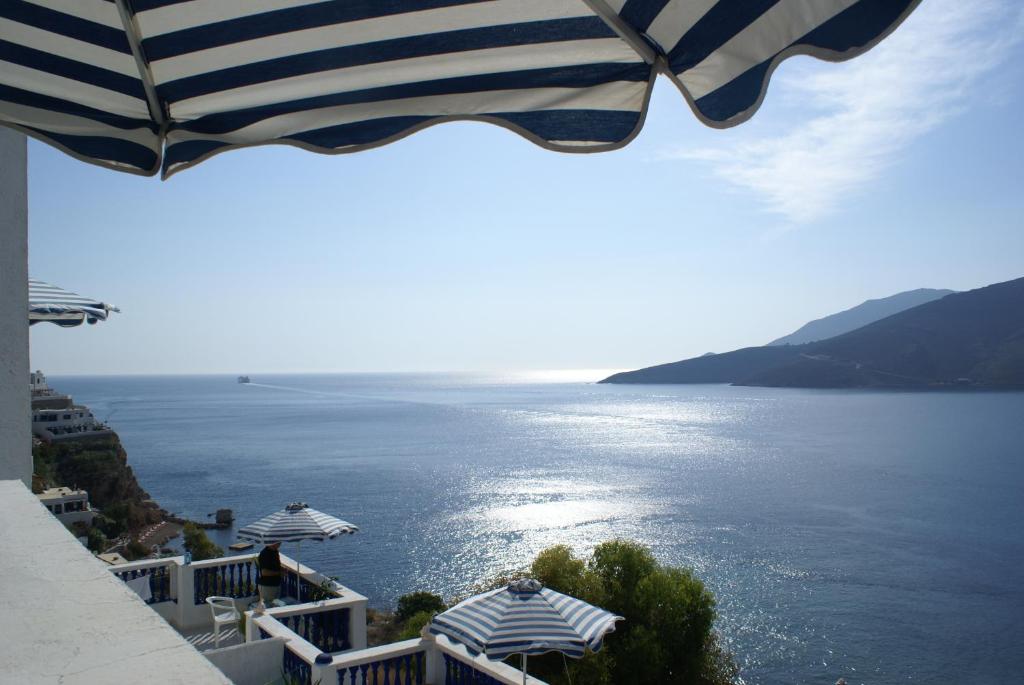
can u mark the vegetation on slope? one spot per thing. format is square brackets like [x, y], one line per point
[100, 466]
[199, 545]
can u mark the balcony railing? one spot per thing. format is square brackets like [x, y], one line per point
[235, 577]
[324, 640]
[159, 573]
[421, 661]
[180, 592]
[458, 672]
[324, 624]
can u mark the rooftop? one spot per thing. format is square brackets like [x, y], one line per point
[62, 491]
[68, 619]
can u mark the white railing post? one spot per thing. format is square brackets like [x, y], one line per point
[186, 595]
[322, 670]
[434, 661]
[174, 570]
[357, 625]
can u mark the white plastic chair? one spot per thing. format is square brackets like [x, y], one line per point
[224, 613]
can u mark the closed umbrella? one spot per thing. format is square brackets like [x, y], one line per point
[146, 86]
[48, 302]
[525, 618]
[295, 523]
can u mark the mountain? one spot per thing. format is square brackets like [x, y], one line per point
[861, 315]
[975, 338]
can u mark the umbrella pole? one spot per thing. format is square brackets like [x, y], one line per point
[524, 669]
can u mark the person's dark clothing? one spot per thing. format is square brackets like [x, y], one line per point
[270, 567]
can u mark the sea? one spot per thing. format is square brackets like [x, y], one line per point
[871, 536]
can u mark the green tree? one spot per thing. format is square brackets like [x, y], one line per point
[418, 602]
[667, 635]
[200, 546]
[620, 565]
[676, 607]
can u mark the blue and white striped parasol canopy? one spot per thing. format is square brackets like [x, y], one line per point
[151, 85]
[525, 618]
[295, 523]
[47, 302]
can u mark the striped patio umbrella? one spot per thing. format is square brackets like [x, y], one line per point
[49, 303]
[150, 85]
[295, 523]
[525, 618]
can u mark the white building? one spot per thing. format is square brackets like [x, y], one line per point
[55, 416]
[69, 506]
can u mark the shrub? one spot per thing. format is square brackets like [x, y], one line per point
[135, 550]
[97, 542]
[414, 624]
[417, 603]
[199, 544]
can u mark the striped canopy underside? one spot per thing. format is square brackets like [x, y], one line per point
[295, 526]
[501, 623]
[344, 75]
[49, 303]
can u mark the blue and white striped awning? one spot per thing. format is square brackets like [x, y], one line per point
[49, 303]
[296, 523]
[525, 618]
[145, 85]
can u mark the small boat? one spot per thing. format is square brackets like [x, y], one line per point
[243, 379]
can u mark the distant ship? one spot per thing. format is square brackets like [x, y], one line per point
[243, 379]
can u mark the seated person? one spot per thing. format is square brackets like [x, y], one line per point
[269, 563]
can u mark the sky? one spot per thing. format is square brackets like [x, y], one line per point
[466, 248]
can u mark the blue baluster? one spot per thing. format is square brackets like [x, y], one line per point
[405, 667]
[341, 629]
[316, 634]
[331, 631]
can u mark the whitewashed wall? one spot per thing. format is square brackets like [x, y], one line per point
[15, 415]
[252, 663]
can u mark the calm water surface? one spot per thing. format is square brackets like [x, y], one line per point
[873, 536]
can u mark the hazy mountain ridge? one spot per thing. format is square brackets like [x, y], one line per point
[863, 314]
[975, 338]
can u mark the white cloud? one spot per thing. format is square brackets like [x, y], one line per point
[865, 112]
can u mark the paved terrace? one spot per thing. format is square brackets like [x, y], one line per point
[67, 619]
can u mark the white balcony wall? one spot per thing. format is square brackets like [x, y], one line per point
[68, 619]
[15, 425]
[252, 663]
